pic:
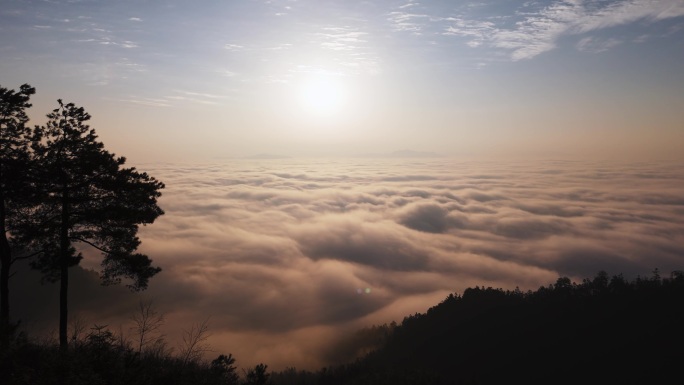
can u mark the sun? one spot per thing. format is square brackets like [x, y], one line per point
[323, 94]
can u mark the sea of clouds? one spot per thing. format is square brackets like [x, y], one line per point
[286, 257]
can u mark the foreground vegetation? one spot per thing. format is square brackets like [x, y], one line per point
[104, 357]
[602, 330]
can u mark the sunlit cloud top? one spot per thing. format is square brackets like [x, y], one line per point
[287, 256]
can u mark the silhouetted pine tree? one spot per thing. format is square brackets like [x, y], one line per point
[91, 199]
[14, 186]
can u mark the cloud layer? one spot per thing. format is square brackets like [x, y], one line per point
[287, 255]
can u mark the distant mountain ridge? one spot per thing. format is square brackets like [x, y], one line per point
[403, 154]
[398, 154]
[267, 156]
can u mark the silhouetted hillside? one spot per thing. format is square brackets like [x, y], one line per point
[603, 330]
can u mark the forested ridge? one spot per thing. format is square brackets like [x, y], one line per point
[602, 330]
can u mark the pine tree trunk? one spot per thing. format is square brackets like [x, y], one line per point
[64, 272]
[63, 316]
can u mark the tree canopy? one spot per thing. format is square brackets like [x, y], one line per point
[90, 199]
[14, 189]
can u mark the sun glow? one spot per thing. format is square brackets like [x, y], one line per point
[323, 94]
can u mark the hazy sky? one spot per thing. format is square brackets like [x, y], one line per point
[287, 255]
[206, 79]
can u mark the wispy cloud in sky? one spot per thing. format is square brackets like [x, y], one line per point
[537, 33]
[537, 27]
[177, 97]
[341, 39]
[623, 12]
[407, 22]
[593, 44]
